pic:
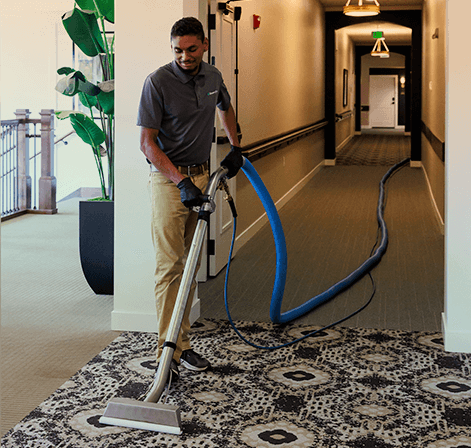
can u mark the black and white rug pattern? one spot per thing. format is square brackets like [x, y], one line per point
[344, 388]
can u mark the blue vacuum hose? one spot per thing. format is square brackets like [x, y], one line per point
[281, 255]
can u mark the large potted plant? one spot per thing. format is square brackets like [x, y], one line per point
[85, 25]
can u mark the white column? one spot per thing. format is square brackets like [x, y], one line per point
[457, 315]
[143, 45]
[47, 183]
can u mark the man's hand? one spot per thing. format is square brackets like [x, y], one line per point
[233, 161]
[190, 194]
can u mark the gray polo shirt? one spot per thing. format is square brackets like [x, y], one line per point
[182, 108]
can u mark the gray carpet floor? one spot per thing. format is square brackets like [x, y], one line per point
[52, 323]
[330, 229]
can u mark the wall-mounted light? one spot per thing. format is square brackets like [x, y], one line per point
[360, 9]
[402, 80]
[380, 48]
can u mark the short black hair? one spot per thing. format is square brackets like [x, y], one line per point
[188, 26]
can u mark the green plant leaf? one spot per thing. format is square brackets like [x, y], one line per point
[87, 130]
[65, 71]
[76, 82]
[106, 96]
[105, 7]
[64, 114]
[87, 100]
[83, 29]
[67, 87]
[106, 100]
[106, 86]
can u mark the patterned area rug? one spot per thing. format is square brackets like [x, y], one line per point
[374, 150]
[344, 388]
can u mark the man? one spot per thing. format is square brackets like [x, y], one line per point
[176, 115]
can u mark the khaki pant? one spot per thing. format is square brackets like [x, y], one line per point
[173, 226]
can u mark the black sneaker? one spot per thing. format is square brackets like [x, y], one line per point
[192, 361]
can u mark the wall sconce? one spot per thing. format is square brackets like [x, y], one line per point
[361, 10]
[402, 80]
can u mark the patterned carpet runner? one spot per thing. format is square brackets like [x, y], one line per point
[374, 150]
[344, 388]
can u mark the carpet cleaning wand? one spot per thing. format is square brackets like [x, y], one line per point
[149, 414]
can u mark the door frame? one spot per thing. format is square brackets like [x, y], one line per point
[220, 224]
[396, 98]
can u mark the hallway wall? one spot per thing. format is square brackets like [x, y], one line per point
[281, 86]
[433, 97]
[344, 60]
[457, 316]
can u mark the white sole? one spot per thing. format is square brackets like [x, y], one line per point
[193, 368]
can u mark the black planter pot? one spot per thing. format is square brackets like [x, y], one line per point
[97, 244]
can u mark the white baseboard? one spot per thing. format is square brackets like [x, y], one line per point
[437, 214]
[145, 322]
[248, 233]
[456, 342]
[126, 321]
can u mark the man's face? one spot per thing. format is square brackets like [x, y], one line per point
[188, 52]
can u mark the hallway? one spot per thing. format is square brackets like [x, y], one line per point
[375, 148]
[330, 228]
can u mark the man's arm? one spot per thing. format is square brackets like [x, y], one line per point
[234, 160]
[228, 120]
[190, 194]
[158, 158]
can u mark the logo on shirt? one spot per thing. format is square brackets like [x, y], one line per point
[212, 93]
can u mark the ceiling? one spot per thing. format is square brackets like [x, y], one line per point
[337, 5]
[361, 33]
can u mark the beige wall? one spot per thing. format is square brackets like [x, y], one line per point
[457, 316]
[344, 59]
[281, 88]
[434, 94]
[281, 67]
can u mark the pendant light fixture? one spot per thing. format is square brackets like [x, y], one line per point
[380, 48]
[361, 10]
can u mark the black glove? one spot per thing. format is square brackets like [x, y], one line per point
[233, 161]
[190, 194]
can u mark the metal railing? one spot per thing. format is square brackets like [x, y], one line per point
[9, 167]
[343, 116]
[262, 148]
[27, 175]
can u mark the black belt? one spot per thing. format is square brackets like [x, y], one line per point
[191, 170]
